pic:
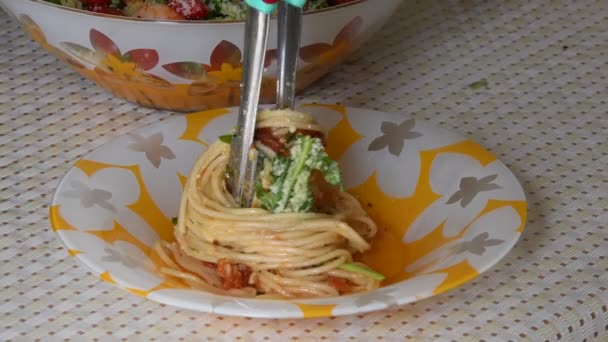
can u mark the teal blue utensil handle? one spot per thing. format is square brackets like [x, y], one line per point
[268, 6]
[297, 3]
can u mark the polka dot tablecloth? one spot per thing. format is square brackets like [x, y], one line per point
[527, 79]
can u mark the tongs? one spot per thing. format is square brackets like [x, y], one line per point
[243, 157]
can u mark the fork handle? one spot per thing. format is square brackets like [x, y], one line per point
[268, 6]
[289, 30]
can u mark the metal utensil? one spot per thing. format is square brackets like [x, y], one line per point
[243, 157]
[290, 27]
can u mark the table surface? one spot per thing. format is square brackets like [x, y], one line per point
[543, 112]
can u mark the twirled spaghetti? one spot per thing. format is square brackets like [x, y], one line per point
[225, 249]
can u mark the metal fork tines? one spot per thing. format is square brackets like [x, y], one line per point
[243, 157]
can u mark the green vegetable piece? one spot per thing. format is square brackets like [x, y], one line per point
[479, 84]
[268, 200]
[174, 220]
[316, 4]
[120, 4]
[290, 188]
[357, 268]
[71, 3]
[227, 138]
[301, 199]
[280, 169]
[300, 153]
[331, 171]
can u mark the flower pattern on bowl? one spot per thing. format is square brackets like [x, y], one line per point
[475, 245]
[333, 33]
[224, 73]
[391, 151]
[121, 262]
[133, 75]
[94, 202]
[321, 58]
[465, 189]
[159, 154]
[112, 65]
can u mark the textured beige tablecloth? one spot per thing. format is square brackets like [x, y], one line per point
[544, 112]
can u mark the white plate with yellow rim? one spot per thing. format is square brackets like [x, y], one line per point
[447, 208]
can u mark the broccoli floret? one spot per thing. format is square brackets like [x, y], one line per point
[290, 189]
[329, 168]
[227, 9]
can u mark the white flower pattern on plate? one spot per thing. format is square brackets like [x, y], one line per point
[327, 118]
[207, 302]
[476, 244]
[395, 136]
[397, 171]
[152, 146]
[129, 266]
[127, 257]
[465, 186]
[90, 197]
[94, 203]
[161, 156]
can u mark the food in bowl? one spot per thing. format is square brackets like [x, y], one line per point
[189, 65]
[299, 237]
[414, 248]
[178, 9]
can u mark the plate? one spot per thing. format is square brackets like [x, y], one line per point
[447, 208]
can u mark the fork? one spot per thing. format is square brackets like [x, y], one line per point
[243, 157]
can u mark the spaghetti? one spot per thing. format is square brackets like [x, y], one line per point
[225, 249]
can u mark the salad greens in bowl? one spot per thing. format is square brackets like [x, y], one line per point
[179, 9]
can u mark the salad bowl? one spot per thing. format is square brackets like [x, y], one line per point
[189, 65]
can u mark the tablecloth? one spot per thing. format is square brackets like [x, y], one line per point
[526, 79]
